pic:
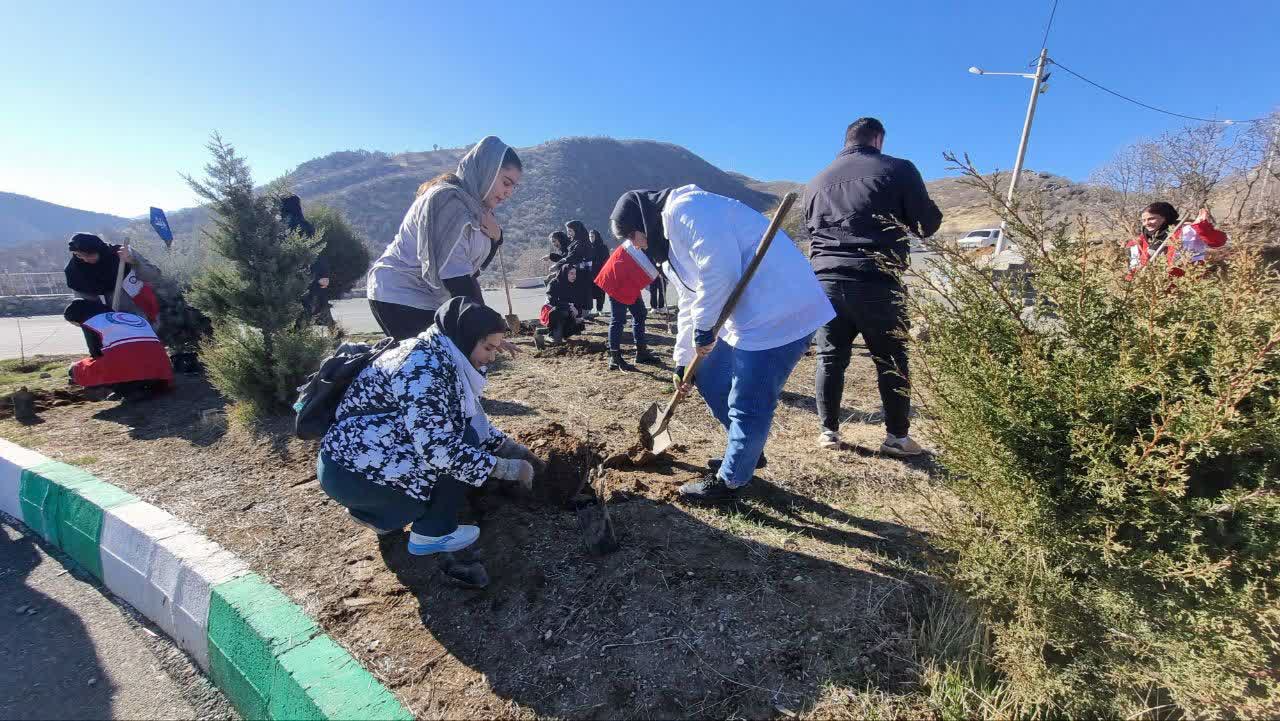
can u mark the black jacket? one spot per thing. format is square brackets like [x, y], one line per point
[845, 207]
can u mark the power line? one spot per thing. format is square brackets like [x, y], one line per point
[1045, 41]
[1152, 107]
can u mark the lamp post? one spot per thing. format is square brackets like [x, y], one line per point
[1037, 87]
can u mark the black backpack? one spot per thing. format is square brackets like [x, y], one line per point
[318, 398]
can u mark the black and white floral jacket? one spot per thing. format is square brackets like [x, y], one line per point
[421, 438]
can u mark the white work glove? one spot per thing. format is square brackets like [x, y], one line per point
[512, 449]
[514, 470]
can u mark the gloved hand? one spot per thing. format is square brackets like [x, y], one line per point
[513, 449]
[514, 470]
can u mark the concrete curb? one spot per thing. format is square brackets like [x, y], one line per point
[269, 658]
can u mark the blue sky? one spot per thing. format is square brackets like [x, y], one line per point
[105, 103]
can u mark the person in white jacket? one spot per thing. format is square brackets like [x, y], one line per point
[708, 240]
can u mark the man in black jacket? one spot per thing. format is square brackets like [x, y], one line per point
[855, 211]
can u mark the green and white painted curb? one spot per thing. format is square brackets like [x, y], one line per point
[261, 649]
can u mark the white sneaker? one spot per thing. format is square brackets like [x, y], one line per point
[829, 439]
[902, 447]
[461, 537]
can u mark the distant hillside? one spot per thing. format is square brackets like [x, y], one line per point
[564, 179]
[26, 220]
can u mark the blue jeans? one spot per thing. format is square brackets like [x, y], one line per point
[387, 507]
[619, 320]
[741, 388]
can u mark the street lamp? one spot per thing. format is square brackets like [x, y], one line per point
[1037, 88]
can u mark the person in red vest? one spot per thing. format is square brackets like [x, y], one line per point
[125, 354]
[1162, 234]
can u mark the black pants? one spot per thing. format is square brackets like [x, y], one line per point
[598, 296]
[878, 312]
[401, 321]
[565, 322]
[658, 293]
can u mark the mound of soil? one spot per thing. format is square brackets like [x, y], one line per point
[568, 460]
[574, 349]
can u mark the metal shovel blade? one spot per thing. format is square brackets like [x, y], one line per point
[654, 433]
[513, 324]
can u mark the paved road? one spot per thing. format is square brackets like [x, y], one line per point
[68, 652]
[51, 335]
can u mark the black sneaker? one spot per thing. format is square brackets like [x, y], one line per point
[643, 356]
[618, 363]
[715, 463]
[710, 489]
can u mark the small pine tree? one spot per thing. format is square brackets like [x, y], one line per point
[255, 355]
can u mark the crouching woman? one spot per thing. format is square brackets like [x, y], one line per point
[124, 353]
[411, 438]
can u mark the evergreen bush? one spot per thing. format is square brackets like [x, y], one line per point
[255, 355]
[1114, 453]
[342, 247]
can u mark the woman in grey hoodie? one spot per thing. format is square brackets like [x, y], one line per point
[447, 237]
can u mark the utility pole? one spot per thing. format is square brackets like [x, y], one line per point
[1271, 159]
[1022, 143]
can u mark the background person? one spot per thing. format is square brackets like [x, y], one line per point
[124, 353]
[447, 237]
[599, 256]
[560, 315]
[411, 437]
[91, 275]
[581, 256]
[708, 240]
[859, 257]
[1160, 233]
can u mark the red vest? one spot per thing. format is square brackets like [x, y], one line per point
[130, 352]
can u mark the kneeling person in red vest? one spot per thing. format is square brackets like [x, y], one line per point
[125, 353]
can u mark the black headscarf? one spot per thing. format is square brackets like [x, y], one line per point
[467, 322]
[578, 231]
[291, 214]
[93, 278]
[642, 210]
[559, 242]
[80, 310]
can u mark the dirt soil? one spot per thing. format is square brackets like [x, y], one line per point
[787, 603]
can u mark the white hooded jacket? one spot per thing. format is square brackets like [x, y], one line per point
[712, 241]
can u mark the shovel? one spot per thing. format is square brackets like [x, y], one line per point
[513, 320]
[653, 428]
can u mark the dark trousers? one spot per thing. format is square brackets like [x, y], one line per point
[389, 508]
[658, 293]
[401, 321]
[878, 312]
[565, 322]
[619, 320]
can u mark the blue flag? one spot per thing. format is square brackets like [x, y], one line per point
[161, 224]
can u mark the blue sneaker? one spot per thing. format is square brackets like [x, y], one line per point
[461, 537]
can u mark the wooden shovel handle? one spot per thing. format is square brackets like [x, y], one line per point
[787, 201]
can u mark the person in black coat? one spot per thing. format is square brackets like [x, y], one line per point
[858, 252]
[599, 256]
[561, 315]
[559, 246]
[581, 256]
[315, 303]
